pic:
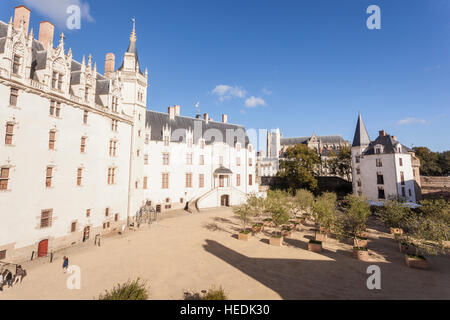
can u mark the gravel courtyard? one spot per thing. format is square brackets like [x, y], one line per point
[193, 252]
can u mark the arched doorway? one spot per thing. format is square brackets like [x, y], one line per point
[43, 248]
[225, 200]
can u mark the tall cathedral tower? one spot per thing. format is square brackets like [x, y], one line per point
[134, 102]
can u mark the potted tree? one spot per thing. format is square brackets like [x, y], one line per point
[393, 215]
[244, 212]
[280, 216]
[324, 215]
[304, 201]
[353, 222]
[257, 205]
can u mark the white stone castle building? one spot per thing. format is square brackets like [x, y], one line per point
[80, 154]
[383, 169]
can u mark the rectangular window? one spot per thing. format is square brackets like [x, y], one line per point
[403, 192]
[79, 176]
[73, 227]
[86, 94]
[380, 178]
[402, 178]
[46, 218]
[379, 163]
[52, 140]
[410, 192]
[116, 217]
[83, 145]
[165, 181]
[114, 125]
[85, 117]
[107, 212]
[238, 180]
[378, 151]
[58, 110]
[9, 133]
[52, 107]
[54, 80]
[189, 159]
[359, 183]
[16, 64]
[111, 175]
[13, 97]
[112, 148]
[146, 159]
[238, 161]
[400, 162]
[358, 171]
[188, 180]
[165, 159]
[221, 181]
[147, 138]
[60, 81]
[381, 194]
[250, 179]
[88, 213]
[250, 162]
[2, 254]
[166, 141]
[48, 177]
[145, 182]
[4, 178]
[202, 144]
[202, 160]
[201, 180]
[358, 159]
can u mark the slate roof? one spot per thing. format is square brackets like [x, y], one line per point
[3, 34]
[390, 146]
[361, 137]
[132, 48]
[158, 120]
[304, 140]
[223, 170]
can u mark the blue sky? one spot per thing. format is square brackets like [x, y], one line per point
[302, 66]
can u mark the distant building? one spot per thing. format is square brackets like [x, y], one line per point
[383, 169]
[277, 146]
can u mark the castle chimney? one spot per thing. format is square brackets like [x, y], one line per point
[206, 117]
[394, 138]
[46, 33]
[22, 13]
[177, 110]
[382, 133]
[110, 64]
[225, 118]
[172, 113]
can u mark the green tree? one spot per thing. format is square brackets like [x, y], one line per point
[324, 210]
[354, 217]
[276, 206]
[429, 162]
[131, 290]
[297, 171]
[245, 213]
[438, 211]
[394, 214]
[340, 163]
[304, 199]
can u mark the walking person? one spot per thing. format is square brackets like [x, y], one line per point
[65, 264]
[8, 278]
[19, 275]
[1, 282]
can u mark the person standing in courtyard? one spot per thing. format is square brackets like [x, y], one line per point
[65, 264]
[8, 278]
[1, 282]
[19, 275]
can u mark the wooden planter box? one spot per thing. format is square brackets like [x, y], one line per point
[244, 236]
[396, 231]
[416, 263]
[256, 229]
[315, 247]
[364, 234]
[322, 237]
[278, 242]
[362, 243]
[286, 233]
[361, 255]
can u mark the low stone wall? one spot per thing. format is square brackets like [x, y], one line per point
[435, 187]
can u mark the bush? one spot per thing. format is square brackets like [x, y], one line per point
[394, 214]
[131, 290]
[215, 294]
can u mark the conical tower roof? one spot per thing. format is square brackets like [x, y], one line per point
[361, 136]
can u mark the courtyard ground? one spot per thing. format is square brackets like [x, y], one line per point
[193, 252]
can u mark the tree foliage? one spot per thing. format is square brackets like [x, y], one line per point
[394, 214]
[433, 163]
[245, 213]
[324, 210]
[297, 171]
[304, 199]
[354, 217]
[131, 290]
[340, 163]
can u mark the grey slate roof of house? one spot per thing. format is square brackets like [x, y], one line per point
[132, 48]
[158, 120]
[361, 137]
[304, 140]
[390, 146]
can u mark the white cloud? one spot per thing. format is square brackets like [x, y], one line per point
[254, 102]
[226, 92]
[266, 92]
[56, 10]
[408, 121]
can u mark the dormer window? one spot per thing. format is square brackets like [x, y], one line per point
[238, 147]
[378, 150]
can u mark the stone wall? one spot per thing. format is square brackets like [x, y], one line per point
[436, 187]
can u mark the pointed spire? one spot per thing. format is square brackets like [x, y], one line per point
[61, 39]
[83, 61]
[361, 136]
[133, 33]
[90, 60]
